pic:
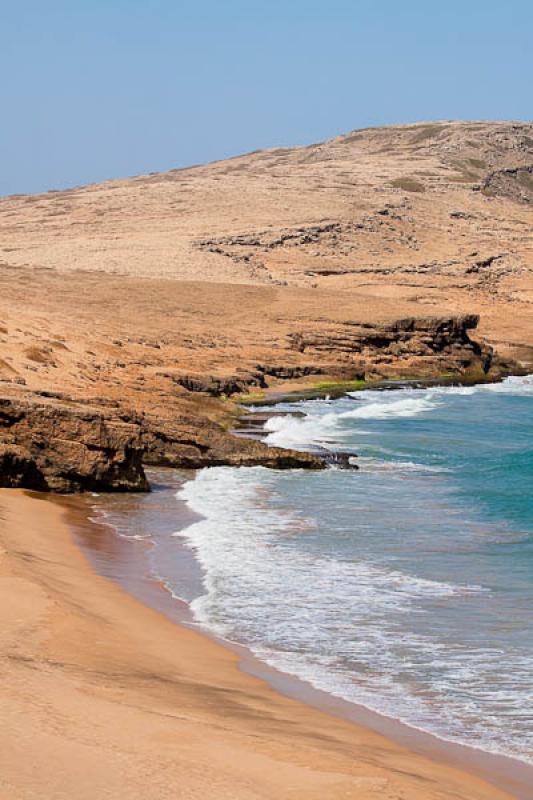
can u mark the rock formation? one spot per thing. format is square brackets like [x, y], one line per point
[60, 447]
[54, 442]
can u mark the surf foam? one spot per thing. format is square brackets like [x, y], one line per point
[340, 625]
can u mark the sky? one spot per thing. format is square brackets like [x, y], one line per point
[96, 89]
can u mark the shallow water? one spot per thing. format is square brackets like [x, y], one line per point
[407, 586]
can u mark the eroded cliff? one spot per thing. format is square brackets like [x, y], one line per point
[99, 436]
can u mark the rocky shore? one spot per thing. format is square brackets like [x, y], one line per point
[65, 447]
[51, 441]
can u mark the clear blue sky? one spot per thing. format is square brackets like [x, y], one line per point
[93, 89]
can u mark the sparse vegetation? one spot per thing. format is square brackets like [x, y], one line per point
[408, 185]
[246, 397]
[425, 132]
[478, 163]
[463, 177]
[352, 137]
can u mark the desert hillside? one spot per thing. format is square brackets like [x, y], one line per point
[435, 213]
[364, 256]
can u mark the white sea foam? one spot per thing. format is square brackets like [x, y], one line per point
[518, 385]
[323, 427]
[289, 431]
[241, 539]
[379, 465]
[391, 407]
[348, 627]
[345, 625]
[514, 385]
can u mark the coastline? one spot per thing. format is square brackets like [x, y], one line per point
[291, 391]
[97, 681]
[196, 295]
[124, 559]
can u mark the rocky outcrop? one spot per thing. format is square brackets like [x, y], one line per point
[219, 385]
[63, 448]
[242, 381]
[51, 441]
[515, 183]
[200, 443]
[421, 346]
[424, 346]
[294, 372]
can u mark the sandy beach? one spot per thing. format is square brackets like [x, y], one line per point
[103, 697]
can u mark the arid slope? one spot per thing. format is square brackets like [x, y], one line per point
[362, 256]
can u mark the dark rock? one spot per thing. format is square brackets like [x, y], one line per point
[217, 386]
[186, 443]
[340, 460]
[516, 183]
[61, 448]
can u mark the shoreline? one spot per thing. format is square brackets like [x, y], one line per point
[495, 767]
[98, 684]
[311, 389]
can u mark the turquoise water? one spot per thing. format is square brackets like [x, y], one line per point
[407, 586]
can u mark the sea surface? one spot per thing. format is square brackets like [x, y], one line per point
[406, 587]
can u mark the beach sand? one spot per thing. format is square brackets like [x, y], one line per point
[103, 697]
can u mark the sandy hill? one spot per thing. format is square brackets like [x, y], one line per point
[360, 256]
[439, 214]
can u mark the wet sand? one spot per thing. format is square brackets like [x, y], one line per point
[127, 559]
[103, 696]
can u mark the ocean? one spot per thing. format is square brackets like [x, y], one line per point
[405, 587]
